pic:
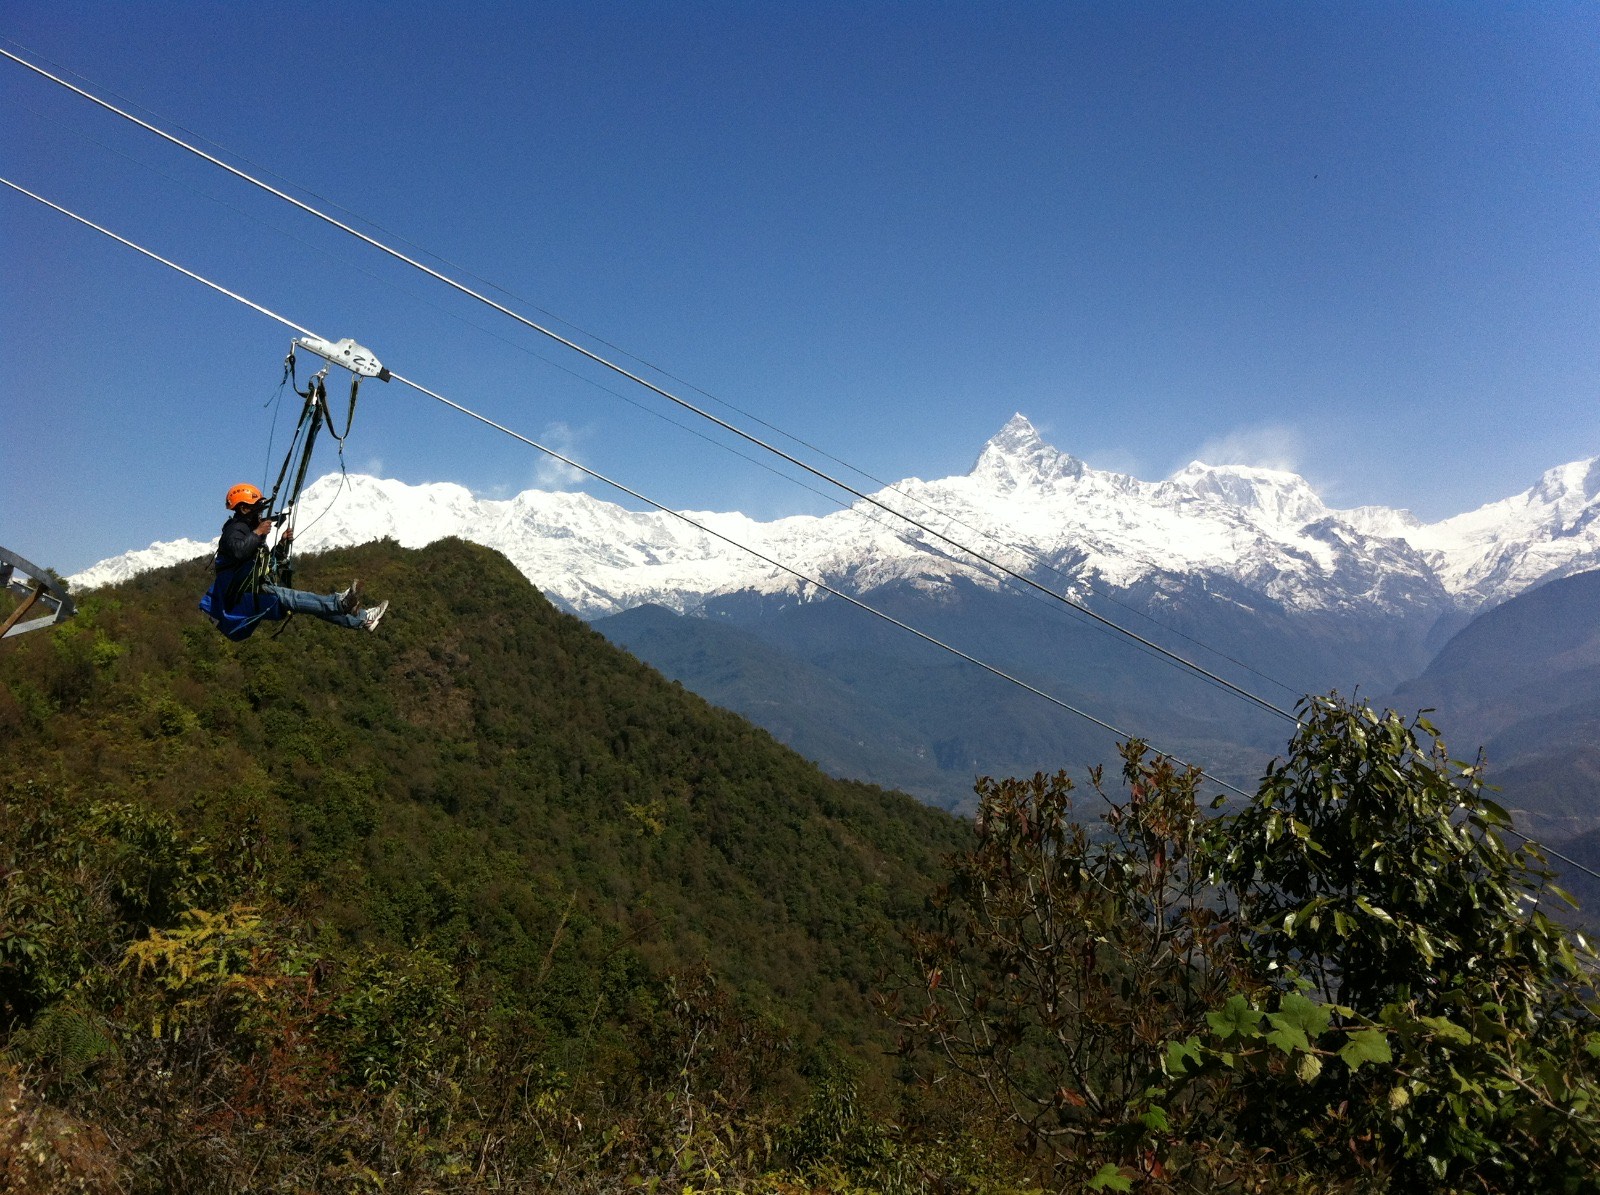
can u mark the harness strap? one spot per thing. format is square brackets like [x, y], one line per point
[350, 415]
[310, 394]
[263, 571]
[317, 405]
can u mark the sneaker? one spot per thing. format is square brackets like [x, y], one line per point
[371, 615]
[350, 599]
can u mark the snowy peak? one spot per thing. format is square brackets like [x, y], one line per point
[1018, 458]
[1381, 522]
[1280, 497]
[1568, 489]
[1562, 499]
[1264, 529]
[140, 560]
[1549, 531]
[1226, 527]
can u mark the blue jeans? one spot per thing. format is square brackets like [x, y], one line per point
[324, 606]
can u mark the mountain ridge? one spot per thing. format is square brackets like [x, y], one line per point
[1241, 568]
[1522, 681]
[1041, 511]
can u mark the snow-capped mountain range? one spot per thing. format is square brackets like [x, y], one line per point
[1038, 510]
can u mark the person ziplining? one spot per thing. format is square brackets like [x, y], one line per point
[238, 606]
[253, 582]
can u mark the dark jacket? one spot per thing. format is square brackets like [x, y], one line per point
[239, 543]
[231, 603]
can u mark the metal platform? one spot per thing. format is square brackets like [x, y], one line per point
[36, 588]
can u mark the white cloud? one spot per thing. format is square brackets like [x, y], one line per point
[1269, 446]
[550, 473]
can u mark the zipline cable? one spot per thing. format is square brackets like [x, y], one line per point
[1036, 557]
[461, 287]
[822, 585]
[519, 346]
[628, 490]
[218, 287]
[1045, 596]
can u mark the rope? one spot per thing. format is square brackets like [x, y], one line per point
[461, 287]
[275, 402]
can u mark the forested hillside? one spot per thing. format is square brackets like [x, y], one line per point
[485, 785]
[481, 903]
[475, 767]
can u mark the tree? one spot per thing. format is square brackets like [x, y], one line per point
[1350, 982]
[1058, 963]
[1372, 871]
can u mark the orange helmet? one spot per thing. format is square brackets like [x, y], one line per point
[243, 494]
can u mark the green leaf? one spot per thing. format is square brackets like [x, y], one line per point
[1309, 1068]
[1562, 893]
[1297, 1023]
[1496, 812]
[1234, 1019]
[1447, 1030]
[1366, 1045]
[1111, 1177]
[1297, 1011]
[1181, 1056]
[1372, 910]
[1288, 1039]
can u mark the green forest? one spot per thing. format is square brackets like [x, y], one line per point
[481, 903]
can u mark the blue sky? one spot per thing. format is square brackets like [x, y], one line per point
[1359, 240]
